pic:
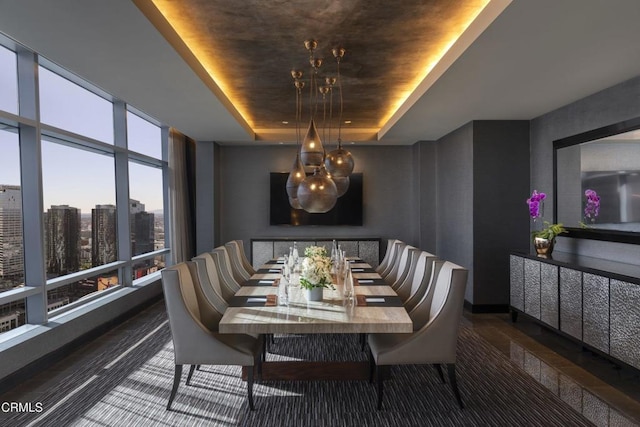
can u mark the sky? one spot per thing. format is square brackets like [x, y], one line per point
[71, 176]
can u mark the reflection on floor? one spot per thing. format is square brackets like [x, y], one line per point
[589, 383]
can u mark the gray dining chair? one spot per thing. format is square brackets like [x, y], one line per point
[387, 256]
[401, 266]
[414, 286]
[243, 257]
[434, 343]
[396, 249]
[228, 284]
[194, 341]
[421, 312]
[238, 269]
[209, 279]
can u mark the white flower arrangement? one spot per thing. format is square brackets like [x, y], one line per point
[316, 269]
[315, 251]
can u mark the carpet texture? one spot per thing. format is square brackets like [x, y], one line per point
[124, 379]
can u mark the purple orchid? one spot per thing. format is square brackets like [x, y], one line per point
[536, 204]
[592, 207]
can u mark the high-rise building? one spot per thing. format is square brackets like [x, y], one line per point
[62, 240]
[103, 235]
[142, 228]
[11, 245]
[143, 233]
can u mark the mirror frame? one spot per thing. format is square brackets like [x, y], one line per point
[605, 131]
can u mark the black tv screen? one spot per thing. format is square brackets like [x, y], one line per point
[347, 211]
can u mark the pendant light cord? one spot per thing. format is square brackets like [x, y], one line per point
[341, 107]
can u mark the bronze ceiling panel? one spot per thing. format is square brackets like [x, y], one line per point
[251, 46]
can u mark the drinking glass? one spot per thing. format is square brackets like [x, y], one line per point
[283, 292]
[348, 290]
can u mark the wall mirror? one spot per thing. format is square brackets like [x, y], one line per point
[605, 164]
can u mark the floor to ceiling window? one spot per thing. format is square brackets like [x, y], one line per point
[82, 191]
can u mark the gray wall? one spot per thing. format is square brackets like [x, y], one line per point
[388, 186]
[425, 211]
[500, 215]
[455, 200]
[612, 105]
[205, 200]
[482, 177]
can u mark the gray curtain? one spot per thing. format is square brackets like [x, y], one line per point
[181, 196]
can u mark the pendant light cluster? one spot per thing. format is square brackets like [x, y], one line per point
[319, 192]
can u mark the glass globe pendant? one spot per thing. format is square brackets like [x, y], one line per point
[317, 193]
[296, 176]
[342, 184]
[294, 203]
[339, 162]
[312, 151]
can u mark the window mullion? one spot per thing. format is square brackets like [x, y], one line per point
[31, 185]
[165, 192]
[122, 193]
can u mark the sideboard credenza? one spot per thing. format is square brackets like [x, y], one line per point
[593, 301]
[264, 249]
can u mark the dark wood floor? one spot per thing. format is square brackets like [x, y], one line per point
[536, 348]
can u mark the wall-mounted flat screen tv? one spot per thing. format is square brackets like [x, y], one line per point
[347, 211]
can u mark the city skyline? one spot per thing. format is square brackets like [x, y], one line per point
[78, 188]
[58, 189]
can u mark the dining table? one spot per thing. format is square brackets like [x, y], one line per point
[259, 307]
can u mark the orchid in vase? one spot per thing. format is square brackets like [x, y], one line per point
[543, 239]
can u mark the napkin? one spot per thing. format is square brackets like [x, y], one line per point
[357, 270]
[275, 270]
[362, 300]
[273, 282]
[268, 300]
[363, 281]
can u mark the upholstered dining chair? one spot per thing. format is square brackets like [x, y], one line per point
[210, 281]
[421, 312]
[396, 250]
[237, 268]
[434, 343]
[402, 266]
[243, 257]
[194, 342]
[228, 284]
[417, 281]
[387, 256]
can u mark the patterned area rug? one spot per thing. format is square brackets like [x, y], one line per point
[125, 379]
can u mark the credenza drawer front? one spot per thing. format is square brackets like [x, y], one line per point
[261, 252]
[595, 321]
[571, 302]
[532, 288]
[625, 322]
[549, 313]
[369, 252]
[350, 248]
[282, 248]
[517, 282]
